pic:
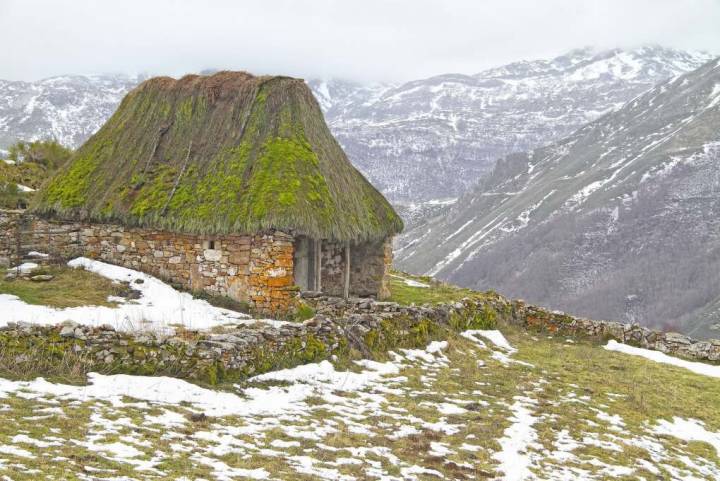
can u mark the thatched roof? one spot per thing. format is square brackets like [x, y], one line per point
[226, 153]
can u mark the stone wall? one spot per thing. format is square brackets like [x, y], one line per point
[539, 319]
[532, 318]
[369, 263]
[235, 352]
[257, 269]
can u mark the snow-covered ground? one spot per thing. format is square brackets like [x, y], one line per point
[160, 307]
[657, 356]
[410, 282]
[450, 411]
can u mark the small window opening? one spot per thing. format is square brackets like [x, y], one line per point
[211, 244]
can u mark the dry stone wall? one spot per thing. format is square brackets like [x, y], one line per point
[529, 317]
[257, 269]
[235, 352]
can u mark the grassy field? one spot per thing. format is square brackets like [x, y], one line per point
[408, 289]
[553, 409]
[69, 288]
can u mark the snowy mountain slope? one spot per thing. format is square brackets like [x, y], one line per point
[68, 109]
[434, 138]
[620, 220]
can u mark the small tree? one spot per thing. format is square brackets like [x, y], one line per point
[48, 153]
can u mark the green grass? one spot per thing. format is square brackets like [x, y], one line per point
[70, 288]
[28, 174]
[568, 384]
[437, 292]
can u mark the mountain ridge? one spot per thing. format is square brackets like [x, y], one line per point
[419, 141]
[581, 223]
[445, 132]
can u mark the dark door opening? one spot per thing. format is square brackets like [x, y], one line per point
[304, 263]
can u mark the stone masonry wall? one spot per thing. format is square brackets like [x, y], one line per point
[529, 317]
[257, 269]
[369, 263]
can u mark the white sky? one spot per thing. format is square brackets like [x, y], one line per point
[358, 39]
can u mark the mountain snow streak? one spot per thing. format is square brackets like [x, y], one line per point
[620, 220]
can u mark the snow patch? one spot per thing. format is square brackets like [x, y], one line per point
[159, 308]
[494, 336]
[696, 367]
[513, 456]
[688, 430]
[410, 282]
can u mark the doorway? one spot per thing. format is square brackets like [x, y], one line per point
[305, 263]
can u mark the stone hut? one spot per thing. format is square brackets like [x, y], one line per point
[231, 184]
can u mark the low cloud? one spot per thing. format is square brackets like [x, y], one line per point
[366, 40]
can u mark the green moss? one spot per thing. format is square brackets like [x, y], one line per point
[152, 197]
[214, 373]
[296, 351]
[402, 333]
[174, 157]
[303, 312]
[484, 318]
[70, 188]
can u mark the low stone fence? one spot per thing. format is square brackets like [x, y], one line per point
[227, 353]
[535, 318]
[366, 326]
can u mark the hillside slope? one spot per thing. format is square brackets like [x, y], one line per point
[617, 221]
[474, 407]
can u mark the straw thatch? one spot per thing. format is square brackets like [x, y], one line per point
[227, 153]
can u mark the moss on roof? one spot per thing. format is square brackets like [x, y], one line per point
[226, 153]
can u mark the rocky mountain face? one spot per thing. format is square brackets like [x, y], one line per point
[68, 109]
[432, 139]
[620, 220]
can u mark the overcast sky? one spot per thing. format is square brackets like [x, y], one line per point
[358, 39]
